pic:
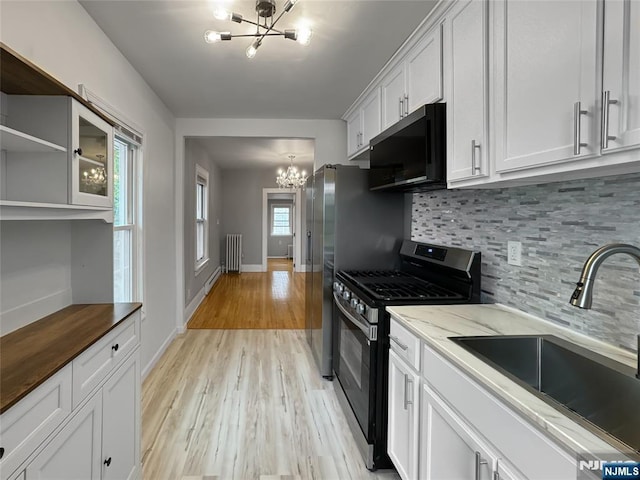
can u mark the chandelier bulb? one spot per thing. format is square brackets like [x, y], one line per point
[303, 35]
[222, 14]
[212, 37]
[253, 48]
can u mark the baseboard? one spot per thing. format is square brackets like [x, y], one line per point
[152, 363]
[300, 268]
[252, 268]
[212, 280]
[192, 307]
[23, 315]
[277, 256]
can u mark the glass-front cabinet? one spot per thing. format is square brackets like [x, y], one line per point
[91, 158]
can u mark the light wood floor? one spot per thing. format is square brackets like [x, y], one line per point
[245, 404]
[274, 299]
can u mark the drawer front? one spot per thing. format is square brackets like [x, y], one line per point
[405, 344]
[98, 361]
[29, 422]
[522, 444]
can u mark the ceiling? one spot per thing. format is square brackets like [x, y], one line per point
[257, 152]
[352, 40]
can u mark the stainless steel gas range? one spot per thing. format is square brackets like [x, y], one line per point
[429, 275]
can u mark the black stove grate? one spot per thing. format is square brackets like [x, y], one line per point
[395, 285]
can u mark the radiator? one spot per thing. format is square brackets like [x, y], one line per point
[234, 252]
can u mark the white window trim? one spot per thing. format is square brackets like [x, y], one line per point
[282, 205]
[134, 213]
[200, 264]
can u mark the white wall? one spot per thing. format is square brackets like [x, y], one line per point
[61, 38]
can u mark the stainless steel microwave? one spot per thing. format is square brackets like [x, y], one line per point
[411, 155]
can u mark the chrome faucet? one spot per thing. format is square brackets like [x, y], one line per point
[583, 294]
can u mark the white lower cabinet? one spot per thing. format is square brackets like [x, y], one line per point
[404, 394]
[444, 425]
[102, 440]
[121, 425]
[97, 439]
[449, 447]
[74, 453]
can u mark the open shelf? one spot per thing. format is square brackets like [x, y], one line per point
[15, 141]
[12, 210]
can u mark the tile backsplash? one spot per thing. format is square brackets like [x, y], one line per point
[559, 225]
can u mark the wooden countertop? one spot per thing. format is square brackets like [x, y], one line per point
[32, 354]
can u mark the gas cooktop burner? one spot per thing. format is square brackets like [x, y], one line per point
[395, 285]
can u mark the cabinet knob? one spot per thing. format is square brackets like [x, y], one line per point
[115, 347]
[1, 452]
[107, 462]
[78, 151]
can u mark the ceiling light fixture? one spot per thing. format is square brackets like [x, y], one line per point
[266, 9]
[291, 177]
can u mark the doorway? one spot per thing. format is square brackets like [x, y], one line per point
[281, 223]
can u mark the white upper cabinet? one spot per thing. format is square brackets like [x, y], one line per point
[91, 158]
[545, 89]
[424, 71]
[467, 94]
[621, 76]
[415, 80]
[393, 91]
[363, 124]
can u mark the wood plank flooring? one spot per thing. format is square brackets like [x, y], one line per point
[274, 299]
[245, 404]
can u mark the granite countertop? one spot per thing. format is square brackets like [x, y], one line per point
[434, 324]
[32, 354]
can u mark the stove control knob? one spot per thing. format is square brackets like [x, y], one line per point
[361, 309]
[346, 295]
[354, 302]
[336, 286]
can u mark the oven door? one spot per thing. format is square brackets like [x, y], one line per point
[355, 365]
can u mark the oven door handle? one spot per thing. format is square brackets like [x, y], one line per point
[370, 331]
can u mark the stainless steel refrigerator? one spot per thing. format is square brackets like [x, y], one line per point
[348, 228]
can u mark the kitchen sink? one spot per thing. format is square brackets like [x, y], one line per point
[590, 388]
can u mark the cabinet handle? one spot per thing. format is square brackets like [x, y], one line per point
[400, 103]
[406, 105]
[479, 463]
[107, 462]
[606, 101]
[407, 382]
[115, 347]
[78, 151]
[577, 115]
[475, 167]
[398, 342]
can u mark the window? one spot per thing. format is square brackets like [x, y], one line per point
[126, 286]
[202, 194]
[280, 220]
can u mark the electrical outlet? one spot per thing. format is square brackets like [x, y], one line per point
[514, 253]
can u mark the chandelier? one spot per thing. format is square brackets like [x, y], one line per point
[265, 10]
[94, 180]
[291, 177]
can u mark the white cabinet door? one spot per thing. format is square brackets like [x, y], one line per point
[402, 440]
[121, 430]
[423, 66]
[544, 74]
[392, 91]
[74, 453]
[91, 158]
[468, 89]
[354, 129]
[370, 117]
[448, 447]
[621, 75]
